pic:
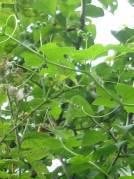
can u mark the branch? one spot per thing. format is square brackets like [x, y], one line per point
[14, 119]
[115, 160]
[34, 110]
[82, 21]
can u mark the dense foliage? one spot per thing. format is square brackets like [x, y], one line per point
[57, 101]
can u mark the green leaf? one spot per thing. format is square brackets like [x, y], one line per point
[92, 29]
[126, 177]
[80, 159]
[94, 11]
[77, 107]
[126, 128]
[4, 175]
[131, 2]
[4, 128]
[112, 4]
[8, 1]
[105, 101]
[40, 168]
[92, 137]
[107, 149]
[47, 6]
[25, 176]
[37, 92]
[35, 154]
[31, 59]
[56, 53]
[56, 110]
[124, 34]
[104, 71]
[91, 53]
[3, 95]
[56, 117]
[38, 140]
[126, 92]
[129, 109]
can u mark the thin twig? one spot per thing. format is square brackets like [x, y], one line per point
[64, 168]
[26, 80]
[99, 125]
[105, 115]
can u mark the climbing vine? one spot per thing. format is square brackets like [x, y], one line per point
[57, 102]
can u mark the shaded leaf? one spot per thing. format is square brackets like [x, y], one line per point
[48, 6]
[32, 60]
[92, 137]
[94, 11]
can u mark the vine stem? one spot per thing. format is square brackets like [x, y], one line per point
[101, 116]
[15, 28]
[76, 154]
[65, 67]
[71, 69]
